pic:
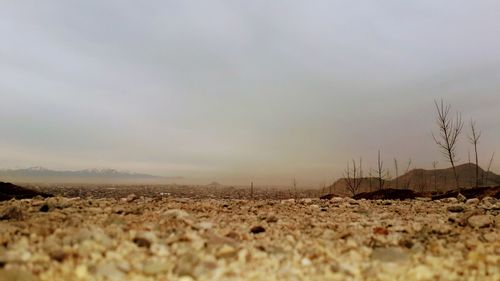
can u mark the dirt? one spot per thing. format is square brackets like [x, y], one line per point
[165, 238]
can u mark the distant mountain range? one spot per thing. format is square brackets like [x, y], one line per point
[422, 180]
[42, 175]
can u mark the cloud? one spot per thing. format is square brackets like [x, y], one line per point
[240, 90]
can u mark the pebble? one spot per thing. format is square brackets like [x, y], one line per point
[11, 213]
[479, 221]
[390, 254]
[16, 275]
[455, 208]
[407, 240]
[472, 201]
[155, 267]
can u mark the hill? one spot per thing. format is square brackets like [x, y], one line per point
[422, 180]
[9, 191]
[39, 174]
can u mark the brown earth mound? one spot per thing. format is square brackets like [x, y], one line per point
[9, 191]
[479, 192]
[388, 194]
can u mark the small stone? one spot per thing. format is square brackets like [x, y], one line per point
[82, 272]
[421, 272]
[205, 225]
[226, 251]
[479, 221]
[488, 200]
[12, 213]
[336, 200]
[257, 229]
[131, 198]
[142, 242]
[176, 214]
[455, 208]
[380, 231]
[58, 255]
[16, 275]
[472, 201]
[390, 254]
[155, 267]
[109, 271]
[492, 237]
[450, 200]
[306, 262]
[272, 219]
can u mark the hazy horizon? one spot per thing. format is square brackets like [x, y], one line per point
[238, 91]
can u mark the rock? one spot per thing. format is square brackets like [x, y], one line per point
[472, 201]
[337, 200]
[155, 267]
[272, 219]
[461, 198]
[479, 221]
[226, 251]
[257, 229]
[142, 242]
[11, 213]
[16, 275]
[421, 272]
[390, 254]
[57, 203]
[488, 200]
[455, 208]
[131, 198]
[109, 271]
[176, 214]
[186, 265]
[450, 200]
[205, 225]
[380, 231]
[492, 237]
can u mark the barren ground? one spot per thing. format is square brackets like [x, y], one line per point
[166, 238]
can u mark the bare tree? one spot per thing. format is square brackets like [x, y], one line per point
[397, 174]
[353, 177]
[449, 131]
[434, 166]
[489, 167]
[381, 172]
[474, 136]
[251, 190]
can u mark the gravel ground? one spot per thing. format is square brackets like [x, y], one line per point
[309, 239]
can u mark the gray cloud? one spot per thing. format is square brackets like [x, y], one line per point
[239, 90]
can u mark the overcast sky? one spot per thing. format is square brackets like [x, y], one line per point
[236, 91]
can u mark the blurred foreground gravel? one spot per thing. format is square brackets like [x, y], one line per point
[310, 239]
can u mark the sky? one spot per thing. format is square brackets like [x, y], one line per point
[240, 91]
